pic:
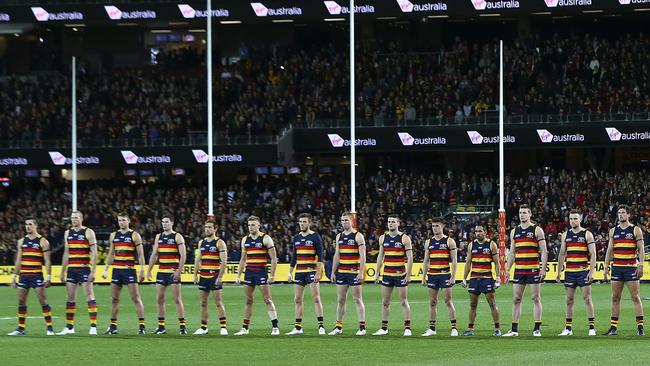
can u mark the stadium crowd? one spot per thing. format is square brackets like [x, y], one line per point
[271, 86]
[279, 199]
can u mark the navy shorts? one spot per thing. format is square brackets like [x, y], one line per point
[481, 286]
[124, 276]
[439, 281]
[392, 281]
[256, 277]
[576, 279]
[30, 281]
[78, 275]
[208, 284]
[166, 279]
[624, 274]
[347, 279]
[526, 279]
[304, 278]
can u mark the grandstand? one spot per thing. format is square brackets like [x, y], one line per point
[575, 113]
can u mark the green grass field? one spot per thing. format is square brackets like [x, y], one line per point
[260, 347]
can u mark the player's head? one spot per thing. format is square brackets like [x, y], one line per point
[346, 220]
[575, 217]
[76, 218]
[624, 213]
[393, 222]
[524, 214]
[123, 220]
[253, 224]
[479, 231]
[304, 221]
[167, 222]
[437, 225]
[31, 225]
[209, 228]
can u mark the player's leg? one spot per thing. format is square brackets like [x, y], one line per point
[357, 294]
[299, 307]
[517, 294]
[160, 303]
[589, 304]
[139, 307]
[386, 294]
[473, 305]
[536, 297]
[89, 290]
[318, 305]
[45, 306]
[406, 308]
[433, 312]
[249, 291]
[617, 290]
[635, 293]
[180, 307]
[341, 300]
[451, 310]
[270, 307]
[494, 309]
[570, 300]
[116, 291]
[203, 299]
[221, 311]
[70, 307]
[22, 311]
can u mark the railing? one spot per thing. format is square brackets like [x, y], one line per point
[193, 139]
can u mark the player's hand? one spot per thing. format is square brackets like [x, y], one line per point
[177, 275]
[639, 271]
[290, 278]
[63, 277]
[91, 277]
[464, 283]
[542, 274]
[333, 278]
[497, 284]
[271, 280]
[318, 276]
[104, 274]
[141, 276]
[605, 274]
[424, 281]
[406, 280]
[218, 281]
[557, 278]
[237, 281]
[13, 283]
[48, 282]
[196, 280]
[360, 278]
[148, 275]
[377, 280]
[590, 276]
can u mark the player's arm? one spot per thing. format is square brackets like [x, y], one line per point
[361, 243]
[638, 235]
[19, 258]
[453, 255]
[223, 256]
[268, 242]
[110, 256]
[92, 245]
[153, 258]
[511, 253]
[137, 240]
[561, 255]
[66, 254]
[318, 245]
[425, 262]
[408, 248]
[242, 261]
[468, 264]
[543, 251]
[197, 263]
[336, 259]
[494, 249]
[182, 252]
[591, 246]
[380, 258]
[292, 263]
[608, 254]
[47, 257]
